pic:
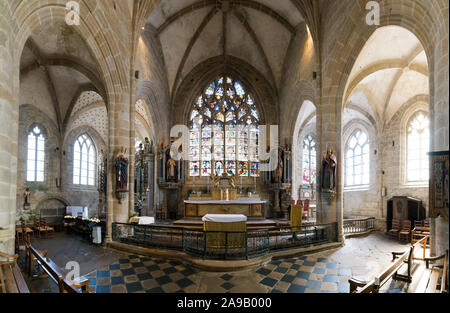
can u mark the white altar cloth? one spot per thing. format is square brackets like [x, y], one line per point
[224, 218]
[142, 220]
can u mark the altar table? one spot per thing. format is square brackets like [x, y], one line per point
[249, 208]
[142, 220]
[225, 230]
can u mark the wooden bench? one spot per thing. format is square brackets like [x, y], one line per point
[392, 271]
[430, 278]
[12, 281]
[56, 273]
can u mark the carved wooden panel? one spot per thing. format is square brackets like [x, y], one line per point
[257, 210]
[191, 210]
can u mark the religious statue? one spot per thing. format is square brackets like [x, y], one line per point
[278, 172]
[147, 145]
[171, 168]
[232, 181]
[26, 202]
[329, 164]
[215, 179]
[121, 165]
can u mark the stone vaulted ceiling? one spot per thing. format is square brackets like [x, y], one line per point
[57, 56]
[256, 31]
[390, 70]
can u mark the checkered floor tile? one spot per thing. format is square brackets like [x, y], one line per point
[136, 274]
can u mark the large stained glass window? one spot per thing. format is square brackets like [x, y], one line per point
[309, 160]
[84, 157]
[357, 160]
[418, 137]
[224, 131]
[36, 155]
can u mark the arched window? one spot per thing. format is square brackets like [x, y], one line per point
[417, 141]
[357, 160]
[36, 155]
[84, 157]
[224, 131]
[309, 160]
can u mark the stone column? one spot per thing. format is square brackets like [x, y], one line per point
[331, 204]
[119, 132]
[150, 209]
[439, 126]
[9, 120]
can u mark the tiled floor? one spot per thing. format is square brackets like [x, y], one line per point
[324, 272]
[144, 274]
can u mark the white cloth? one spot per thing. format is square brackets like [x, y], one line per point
[224, 218]
[142, 220]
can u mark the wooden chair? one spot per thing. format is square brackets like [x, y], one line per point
[39, 228]
[48, 229]
[393, 232]
[25, 229]
[306, 208]
[405, 232]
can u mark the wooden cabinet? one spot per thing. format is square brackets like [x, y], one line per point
[404, 208]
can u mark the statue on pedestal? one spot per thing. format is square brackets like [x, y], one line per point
[147, 145]
[329, 164]
[278, 172]
[26, 201]
[121, 165]
[171, 168]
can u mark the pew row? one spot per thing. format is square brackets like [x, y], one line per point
[11, 278]
[392, 271]
[56, 273]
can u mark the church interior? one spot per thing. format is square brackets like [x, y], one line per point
[224, 146]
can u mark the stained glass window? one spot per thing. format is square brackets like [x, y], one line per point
[224, 131]
[36, 155]
[418, 145]
[309, 160]
[357, 160]
[84, 159]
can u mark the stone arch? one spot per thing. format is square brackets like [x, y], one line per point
[306, 112]
[205, 72]
[51, 214]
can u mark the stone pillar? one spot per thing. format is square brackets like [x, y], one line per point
[9, 120]
[439, 126]
[119, 132]
[150, 209]
[331, 204]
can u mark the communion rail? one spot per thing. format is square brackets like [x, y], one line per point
[224, 245]
[358, 225]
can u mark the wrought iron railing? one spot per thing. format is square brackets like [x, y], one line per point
[297, 237]
[148, 236]
[224, 245]
[359, 225]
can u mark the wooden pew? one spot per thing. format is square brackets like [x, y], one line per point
[399, 258]
[57, 274]
[430, 278]
[12, 281]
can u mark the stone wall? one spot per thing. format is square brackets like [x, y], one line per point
[58, 183]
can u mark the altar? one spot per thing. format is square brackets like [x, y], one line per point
[249, 208]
